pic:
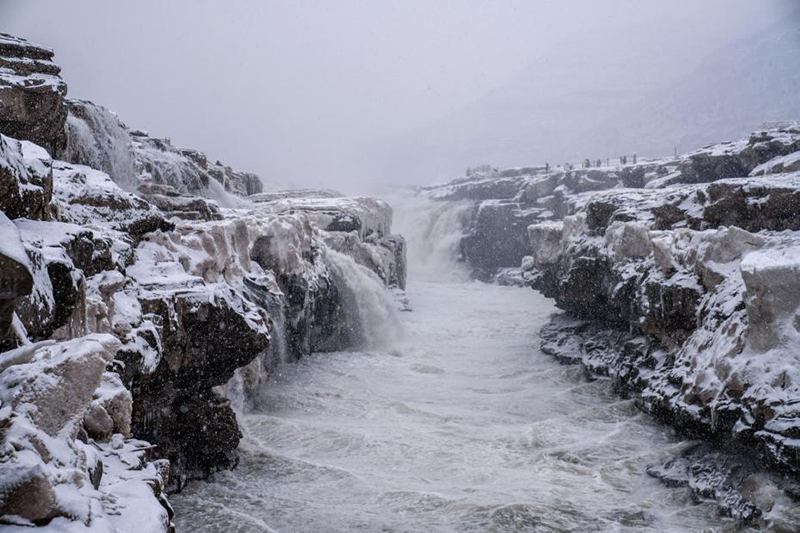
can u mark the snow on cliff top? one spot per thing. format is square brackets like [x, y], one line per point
[10, 42]
[11, 242]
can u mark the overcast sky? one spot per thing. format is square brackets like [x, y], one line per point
[295, 90]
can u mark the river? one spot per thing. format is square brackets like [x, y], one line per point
[464, 425]
[458, 422]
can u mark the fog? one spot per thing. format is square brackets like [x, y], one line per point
[321, 93]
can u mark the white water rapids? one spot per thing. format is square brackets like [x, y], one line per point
[460, 425]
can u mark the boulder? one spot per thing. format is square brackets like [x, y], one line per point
[89, 197]
[49, 475]
[26, 180]
[546, 243]
[772, 296]
[175, 204]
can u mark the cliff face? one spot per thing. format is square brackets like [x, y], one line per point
[506, 202]
[681, 290]
[136, 311]
[96, 137]
[32, 93]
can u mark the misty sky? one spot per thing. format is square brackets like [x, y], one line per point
[298, 91]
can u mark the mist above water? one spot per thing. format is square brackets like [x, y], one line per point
[433, 231]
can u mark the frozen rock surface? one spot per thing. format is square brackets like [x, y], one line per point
[144, 300]
[99, 139]
[53, 471]
[26, 180]
[32, 93]
[506, 202]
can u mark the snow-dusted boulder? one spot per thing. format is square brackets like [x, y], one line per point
[87, 196]
[176, 204]
[720, 252]
[778, 165]
[26, 180]
[772, 296]
[627, 241]
[61, 257]
[47, 473]
[546, 243]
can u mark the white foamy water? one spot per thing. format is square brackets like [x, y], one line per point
[463, 426]
[433, 231]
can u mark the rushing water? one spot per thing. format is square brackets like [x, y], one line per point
[462, 426]
[459, 424]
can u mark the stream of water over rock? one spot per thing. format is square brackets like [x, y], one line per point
[461, 424]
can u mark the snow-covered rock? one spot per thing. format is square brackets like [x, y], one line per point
[26, 180]
[97, 138]
[51, 471]
[142, 298]
[32, 93]
[506, 202]
[364, 215]
[16, 277]
[86, 196]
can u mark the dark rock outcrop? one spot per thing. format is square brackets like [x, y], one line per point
[31, 94]
[26, 180]
[16, 279]
[203, 339]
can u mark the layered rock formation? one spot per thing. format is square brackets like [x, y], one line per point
[681, 290]
[143, 297]
[32, 93]
[506, 202]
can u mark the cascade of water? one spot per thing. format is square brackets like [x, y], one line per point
[433, 231]
[369, 309]
[247, 384]
[98, 140]
[217, 192]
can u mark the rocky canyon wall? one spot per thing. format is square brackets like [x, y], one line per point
[145, 293]
[678, 281]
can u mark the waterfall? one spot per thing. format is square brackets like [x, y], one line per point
[218, 193]
[246, 387]
[433, 231]
[369, 308]
[97, 139]
[247, 383]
